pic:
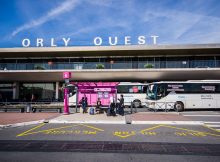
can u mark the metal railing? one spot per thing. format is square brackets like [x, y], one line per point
[30, 106]
[107, 65]
[164, 106]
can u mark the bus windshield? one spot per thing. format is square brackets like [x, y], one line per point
[151, 92]
[156, 91]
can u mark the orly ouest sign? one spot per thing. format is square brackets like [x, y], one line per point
[97, 41]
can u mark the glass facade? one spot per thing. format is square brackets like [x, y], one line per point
[36, 92]
[110, 63]
[6, 92]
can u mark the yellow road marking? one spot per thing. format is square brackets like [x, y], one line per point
[206, 126]
[45, 130]
[38, 126]
[92, 127]
[28, 132]
[149, 133]
[59, 132]
[185, 129]
[180, 134]
[124, 134]
[151, 128]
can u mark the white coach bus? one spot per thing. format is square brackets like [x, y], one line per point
[134, 93]
[183, 95]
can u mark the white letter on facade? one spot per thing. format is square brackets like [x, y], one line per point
[66, 41]
[154, 39]
[26, 42]
[110, 41]
[52, 43]
[39, 42]
[127, 40]
[141, 40]
[98, 41]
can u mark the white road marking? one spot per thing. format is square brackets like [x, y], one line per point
[204, 115]
[212, 122]
[170, 122]
[212, 125]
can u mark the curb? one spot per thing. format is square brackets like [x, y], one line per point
[160, 113]
[21, 124]
[170, 122]
[87, 122]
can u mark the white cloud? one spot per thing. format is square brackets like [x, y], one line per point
[106, 3]
[182, 26]
[62, 8]
[175, 22]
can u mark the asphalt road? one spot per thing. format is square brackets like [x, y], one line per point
[114, 142]
[117, 132]
[100, 157]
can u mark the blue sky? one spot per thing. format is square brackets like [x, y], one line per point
[174, 21]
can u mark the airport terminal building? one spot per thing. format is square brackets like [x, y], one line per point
[40, 69]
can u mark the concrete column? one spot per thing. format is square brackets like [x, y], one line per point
[57, 91]
[15, 90]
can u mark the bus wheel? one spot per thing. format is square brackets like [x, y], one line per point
[136, 103]
[178, 106]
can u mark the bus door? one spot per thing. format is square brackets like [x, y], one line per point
[160, 97]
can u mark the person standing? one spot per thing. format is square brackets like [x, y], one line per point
[111, 100]
[111, 108]
[86, 101]
[98, 105]
[121, 105]
[84, 105]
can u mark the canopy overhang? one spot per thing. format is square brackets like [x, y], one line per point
[111, 75]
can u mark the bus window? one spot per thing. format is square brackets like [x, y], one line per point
[129, 89]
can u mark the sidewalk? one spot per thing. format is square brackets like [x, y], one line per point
[86, 118]
[19, 119]
[161, 118]
[137, 118]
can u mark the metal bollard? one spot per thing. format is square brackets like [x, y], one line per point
[28, 107]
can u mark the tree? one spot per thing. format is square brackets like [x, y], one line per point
[148, 66]
[100, 66]
[39, 67]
